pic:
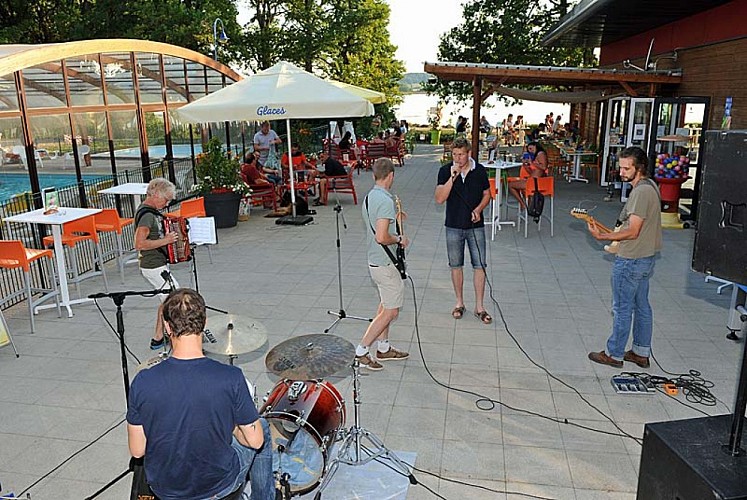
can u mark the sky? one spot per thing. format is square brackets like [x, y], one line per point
[415, 30]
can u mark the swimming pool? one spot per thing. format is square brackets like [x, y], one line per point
[180, 151]
[12, 184]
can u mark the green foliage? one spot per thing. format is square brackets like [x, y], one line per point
[217, 172]
[504, 32]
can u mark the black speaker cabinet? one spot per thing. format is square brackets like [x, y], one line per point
[685, 460]
[721, 237]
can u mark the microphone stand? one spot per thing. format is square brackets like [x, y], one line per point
[341, 314]
[118, 298]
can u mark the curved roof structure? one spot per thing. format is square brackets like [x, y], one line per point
[112, 99]
[18, 57]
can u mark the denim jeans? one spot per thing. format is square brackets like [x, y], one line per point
[475, 238]
[630, 305]
[259, 464]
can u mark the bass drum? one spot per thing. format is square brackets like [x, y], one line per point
[304, 418]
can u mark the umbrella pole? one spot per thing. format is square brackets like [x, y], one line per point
[290, 167]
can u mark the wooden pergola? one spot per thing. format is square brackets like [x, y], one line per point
[486, 78]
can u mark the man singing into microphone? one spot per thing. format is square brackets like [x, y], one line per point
[151, 242]
[463, 185]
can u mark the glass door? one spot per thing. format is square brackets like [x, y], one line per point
[677, 132]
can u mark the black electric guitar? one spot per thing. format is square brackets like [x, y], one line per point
[400, 254]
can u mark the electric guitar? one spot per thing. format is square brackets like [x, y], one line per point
[400, 253]
[583, 214]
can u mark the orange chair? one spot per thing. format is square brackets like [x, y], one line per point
[13, 255]
[493, 208]
[76, 232]
[109, 221]
[546, 186]
[262, 194]
[341, 184]
[396, 152]
[194, 207]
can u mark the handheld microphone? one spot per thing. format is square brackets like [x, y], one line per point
[168, 279]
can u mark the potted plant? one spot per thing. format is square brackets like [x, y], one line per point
[434, 120]
[219, 182]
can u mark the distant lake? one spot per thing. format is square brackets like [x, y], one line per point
[415, 108]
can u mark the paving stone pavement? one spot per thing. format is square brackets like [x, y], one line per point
[552, 292]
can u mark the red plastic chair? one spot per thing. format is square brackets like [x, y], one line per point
[341, 184]
[13, 255]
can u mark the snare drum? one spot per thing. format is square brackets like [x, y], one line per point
[304, 418]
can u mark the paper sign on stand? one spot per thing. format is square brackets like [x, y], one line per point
[202, 231]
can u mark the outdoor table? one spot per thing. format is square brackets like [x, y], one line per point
[576, 155]
[56, 220]
[500, 166]
[136, 189]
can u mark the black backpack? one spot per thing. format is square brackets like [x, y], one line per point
[302, 206]
[536, 203]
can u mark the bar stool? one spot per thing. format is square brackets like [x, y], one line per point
[109, 221]
[13, 255]
[192, 208]
[75, 232]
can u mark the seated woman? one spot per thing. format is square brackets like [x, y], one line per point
[534, 166]
[379, 139]
[345, 143]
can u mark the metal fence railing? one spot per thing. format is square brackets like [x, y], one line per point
[85, 193]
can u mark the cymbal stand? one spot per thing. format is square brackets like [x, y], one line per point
[351, 450]
[341, 314]
[197, 284]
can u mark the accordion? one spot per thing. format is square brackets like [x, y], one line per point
[179, 251]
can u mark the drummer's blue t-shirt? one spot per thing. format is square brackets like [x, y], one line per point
[188, 410]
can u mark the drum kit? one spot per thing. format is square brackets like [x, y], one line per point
[306, 414]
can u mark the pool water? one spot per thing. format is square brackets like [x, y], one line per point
[12, 184]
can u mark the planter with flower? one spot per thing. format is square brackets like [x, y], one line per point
[434, 120]
[219, 182]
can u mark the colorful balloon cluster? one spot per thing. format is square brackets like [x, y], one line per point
[671, 167]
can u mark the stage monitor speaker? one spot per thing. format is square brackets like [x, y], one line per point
[721, 238]
[686, 460]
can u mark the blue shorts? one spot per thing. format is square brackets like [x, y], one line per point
[475, 238]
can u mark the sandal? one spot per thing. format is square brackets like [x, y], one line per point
[458, 312]
[484, 317]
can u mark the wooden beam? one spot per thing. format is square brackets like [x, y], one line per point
[628, 89]
[545, 75]
[476, 105]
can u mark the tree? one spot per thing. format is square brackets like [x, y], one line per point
[504, 32]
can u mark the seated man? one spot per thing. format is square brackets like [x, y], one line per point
[332, 167]
[251, 174]
[301, 165]
[193, 418]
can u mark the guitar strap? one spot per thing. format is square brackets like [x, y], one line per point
[648, 181]
[385, 247]
[145, 209]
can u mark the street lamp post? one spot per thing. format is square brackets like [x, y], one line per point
[223, 38]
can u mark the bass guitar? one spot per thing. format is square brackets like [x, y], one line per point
[400, 253]
[583, 214]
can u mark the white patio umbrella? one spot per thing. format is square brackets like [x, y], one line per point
[283, 91]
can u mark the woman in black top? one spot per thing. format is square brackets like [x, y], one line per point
[345, 141]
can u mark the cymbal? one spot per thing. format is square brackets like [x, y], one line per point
[150, 363]
[309, 357]
[231, 335]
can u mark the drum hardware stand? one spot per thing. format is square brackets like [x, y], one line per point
[352, 443]
[341, 314]
[118, 298]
